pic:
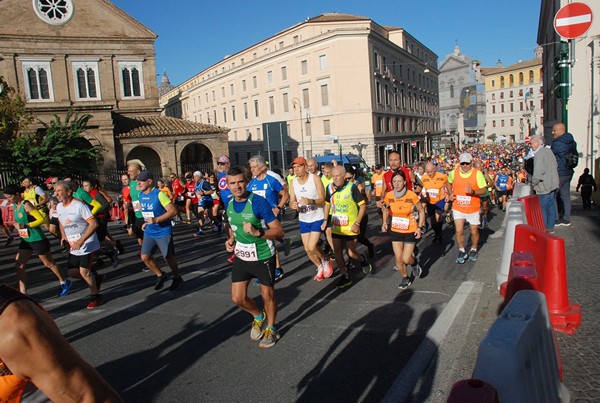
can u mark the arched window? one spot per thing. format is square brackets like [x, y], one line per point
[530, 76]
[502, 82]
[451, 91]
[521, 78]
[511, 79]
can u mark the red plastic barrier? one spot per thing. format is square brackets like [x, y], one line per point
[8, 216]
[533, 211]
[549, 256]
[521, 275]
[472, 391]
[116, 212]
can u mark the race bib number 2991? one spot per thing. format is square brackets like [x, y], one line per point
[246, 251]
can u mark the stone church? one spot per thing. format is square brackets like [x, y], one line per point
[90, 56]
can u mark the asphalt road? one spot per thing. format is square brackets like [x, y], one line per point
[193, 344]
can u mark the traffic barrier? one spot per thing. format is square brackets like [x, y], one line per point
[533, 211]
[522, 190]
[514, 217]
[8, 216]
[549, 256]
[518, 354]
[116, 212]
[521, 276]
[472, 391]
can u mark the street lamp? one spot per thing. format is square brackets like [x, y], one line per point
[296, 101]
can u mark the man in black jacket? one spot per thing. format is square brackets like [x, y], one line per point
[586, 183]
[563, 143]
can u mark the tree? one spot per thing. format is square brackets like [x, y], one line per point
[14, 118]
[492, 137]
[58, 149]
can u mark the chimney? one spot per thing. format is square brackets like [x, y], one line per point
[499, 63]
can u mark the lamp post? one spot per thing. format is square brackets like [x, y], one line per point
[307, 131]
[296, 101]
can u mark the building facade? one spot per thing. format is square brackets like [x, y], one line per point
[514, 100]
[462, 99]
[91, 57]
[333, 82]
[583, 104]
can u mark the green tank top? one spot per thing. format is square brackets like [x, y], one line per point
[248, 247]
[27, 234]
[135, 198]
[344, 210]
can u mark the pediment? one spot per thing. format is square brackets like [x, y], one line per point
[90, 19]
[453, 63]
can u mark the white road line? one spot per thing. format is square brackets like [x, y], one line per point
[418, 363]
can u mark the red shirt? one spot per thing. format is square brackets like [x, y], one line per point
[387, 177]
[190, 192]
[126, 194]
[177, 187]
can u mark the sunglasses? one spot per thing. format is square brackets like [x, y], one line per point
[54, 183]
[465, 163]
[221, 163]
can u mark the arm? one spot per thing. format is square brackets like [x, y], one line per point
[91, 228]
[33, 348]
[386, 216]
[106, 195]
[362, 208]
[170, 207]
[96, 206]
[285, 196]
[320, 200]
[422, 219]
[293, 201]
[32, 211]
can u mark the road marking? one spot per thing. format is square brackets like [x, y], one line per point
[418, 363]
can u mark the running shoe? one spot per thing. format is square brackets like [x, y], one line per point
[365, 264]
[327, 268]
[175, 283]
[65, 287]
[278, 273]
[462, 257]
[269, 338]
[345, 281]
[395, 268]
[320, 274]
[405, 283]
[198, 233]
[218, 228]
[120, 247]
[287, 246]
[99, 280]
[160, 281]
[473, 255]
[96, 301]
[114, 257]
[416, 270]
[146, 269]
[258, 327]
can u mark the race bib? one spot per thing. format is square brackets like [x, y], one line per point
[147, 214]
[379, 183]
[433, 193]
[180, 198]
[463, 200]
[191, 195]
[400, 223]
[246, 251]
[261, 193]
[24, 233]
[339, 220]
[137, 206]
[73, 238]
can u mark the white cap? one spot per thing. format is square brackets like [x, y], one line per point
[466, 157]
[197, 173]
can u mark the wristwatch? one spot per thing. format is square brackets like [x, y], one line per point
[261, 232]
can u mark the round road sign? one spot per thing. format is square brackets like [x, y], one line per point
[573, 20]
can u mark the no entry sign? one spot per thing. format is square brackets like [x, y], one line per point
[573, 20]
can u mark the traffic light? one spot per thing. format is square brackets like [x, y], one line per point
[562, 66]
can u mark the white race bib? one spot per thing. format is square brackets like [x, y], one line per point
[148, 214]
[400, 223]
[433, 193]
[246, 251]
[379, 183]
[463, 200]
[23, 233]
[73, 238]
[261, 193]
[136, 206]
[339, 220]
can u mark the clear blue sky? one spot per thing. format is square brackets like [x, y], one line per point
[485, 30]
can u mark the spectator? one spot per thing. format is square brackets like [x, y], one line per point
[545, 180]
[586, 183]
[563, 144]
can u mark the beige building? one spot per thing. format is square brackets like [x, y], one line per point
[583, 106]
[89, 56]
[332, 81]
[514, 100]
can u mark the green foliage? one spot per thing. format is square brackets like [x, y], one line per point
[60, 149]
[14, 117]
[492, 137]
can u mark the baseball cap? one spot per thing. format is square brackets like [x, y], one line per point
[378, 166]
[224, 159]
[197, 173]
[298, 161]
[144, 176]
[466, 157]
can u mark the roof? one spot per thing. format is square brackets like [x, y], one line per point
[335, 17]
[152, 126]
[486, 71]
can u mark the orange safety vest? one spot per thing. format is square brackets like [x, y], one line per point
[434, 186]
[465, 203]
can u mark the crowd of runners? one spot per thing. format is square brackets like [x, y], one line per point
[245, 206]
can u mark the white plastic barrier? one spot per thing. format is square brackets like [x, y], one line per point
[522, 189]
[518, 356]
[515, 215]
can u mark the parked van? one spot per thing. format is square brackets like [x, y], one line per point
[348, 160]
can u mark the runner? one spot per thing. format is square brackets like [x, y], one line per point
[205, 201]
[162, 186]
[404, 230]
[191, 200]
[157, 210]
[485, 199]
[223, 166]
[135, 227]
[350, 175]
[270, 186]
[467, 185]
[327, 178]
[307, 196]
[378, 185]
[502, 182]
[178, 191]
[254, 226]
[28, 221]
[435, 187]
[78, 228]
[36, 196]
[32, 349]
[348, 209]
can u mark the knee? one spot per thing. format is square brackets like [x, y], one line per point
[145, 258]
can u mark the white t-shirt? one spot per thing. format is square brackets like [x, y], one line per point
[308, 213]
[74, 219]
